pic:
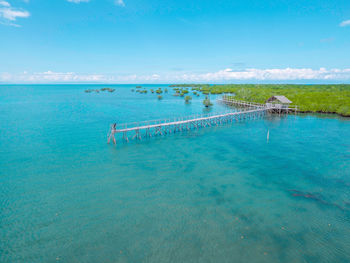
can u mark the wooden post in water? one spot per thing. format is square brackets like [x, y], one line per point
[111, 134]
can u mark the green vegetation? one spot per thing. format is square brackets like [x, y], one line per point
[138, 87]
[152, 90]
[207, 102]
[142, 91]
[188, 85]
[308, 98]
[188, 99]
[98, 90]
[108, 89]
[204, 88]
[180, 92]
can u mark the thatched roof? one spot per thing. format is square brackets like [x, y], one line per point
[281, 99]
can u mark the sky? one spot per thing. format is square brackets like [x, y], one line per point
[174, 41]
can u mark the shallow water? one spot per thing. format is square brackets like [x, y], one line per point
[219, 194]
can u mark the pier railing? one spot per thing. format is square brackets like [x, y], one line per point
[183, 119]
[250, 110]
[173, 125]
[230, 99]
[272, 106]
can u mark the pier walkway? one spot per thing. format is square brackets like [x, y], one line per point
[146, 129]
[272, 107]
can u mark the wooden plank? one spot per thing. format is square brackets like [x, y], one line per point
[164, 124]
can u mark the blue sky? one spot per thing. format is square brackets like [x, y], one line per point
[153, 41]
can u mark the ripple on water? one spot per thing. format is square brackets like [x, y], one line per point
[213, 195]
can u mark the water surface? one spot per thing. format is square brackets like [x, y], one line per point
[219, 194]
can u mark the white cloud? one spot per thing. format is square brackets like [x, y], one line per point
[78, 1]
[12, 14]
[4, 3]
[271, 74]
[345, 23]
[226, 75]
[50, 76]
[8, 14]
[119, 2]
[65, 77]
[5, 77]
[72, 77]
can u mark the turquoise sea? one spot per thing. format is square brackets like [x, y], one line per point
[219, 194]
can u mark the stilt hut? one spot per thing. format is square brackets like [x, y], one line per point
[278, 102]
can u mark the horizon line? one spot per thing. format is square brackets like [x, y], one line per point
[184, 83]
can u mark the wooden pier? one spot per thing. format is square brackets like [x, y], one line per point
[271, 107]
[162, 127]
[147, 129]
